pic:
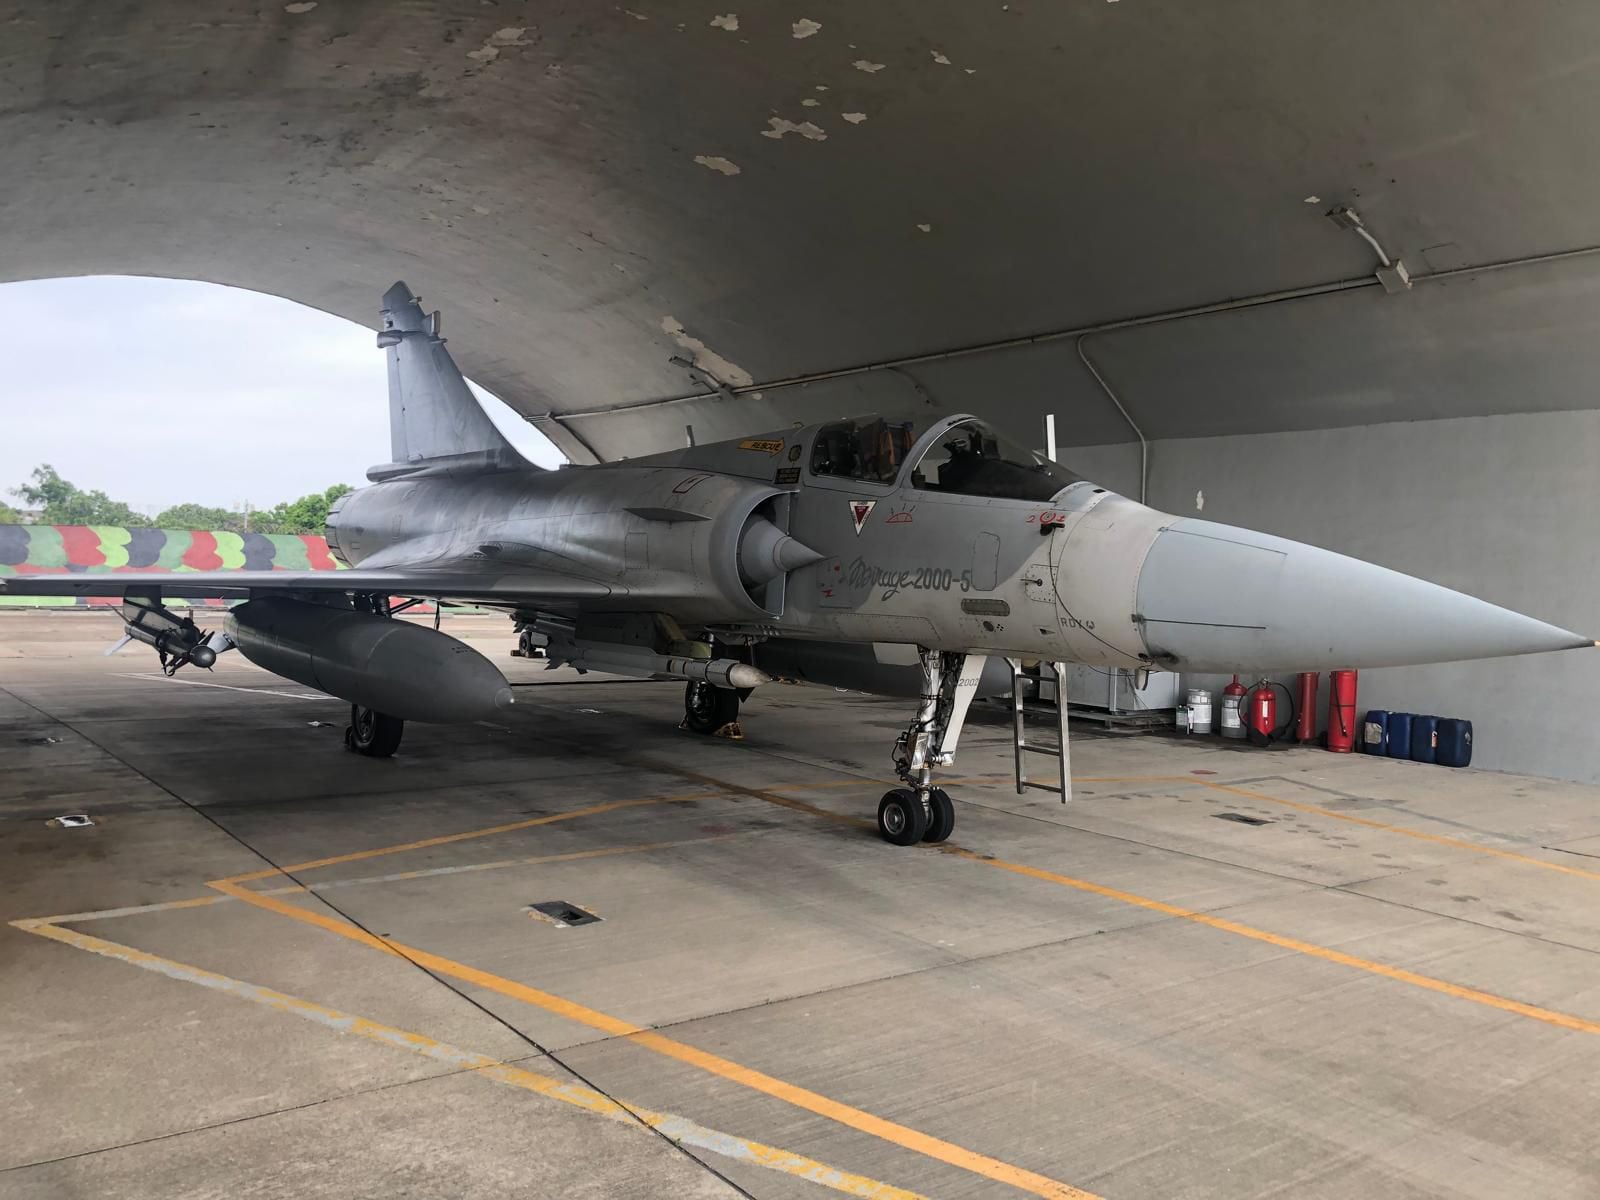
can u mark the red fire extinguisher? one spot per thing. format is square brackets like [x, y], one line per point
[1260, 706]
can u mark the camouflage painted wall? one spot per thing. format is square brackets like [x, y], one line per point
[63, 549]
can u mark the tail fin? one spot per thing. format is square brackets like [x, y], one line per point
[436, 425]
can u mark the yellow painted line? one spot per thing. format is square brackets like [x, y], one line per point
[721, 791]
[447, 839]
[1436, 838]
[1460, 992]
[844, 1114]
[678, 1129]
[535, 860]
[954, 781]
[106, 914]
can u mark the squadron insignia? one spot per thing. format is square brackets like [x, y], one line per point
[859, 511]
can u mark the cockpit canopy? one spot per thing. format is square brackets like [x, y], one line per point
[968, 458]
[867, 448]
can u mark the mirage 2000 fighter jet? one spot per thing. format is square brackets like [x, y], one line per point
[800, 553]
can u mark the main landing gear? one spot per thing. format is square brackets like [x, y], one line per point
[711, 710]
[372, 733]
[920, 812]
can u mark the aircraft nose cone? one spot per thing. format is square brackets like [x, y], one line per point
[1218, 598]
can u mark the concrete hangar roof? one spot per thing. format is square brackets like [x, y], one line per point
[597, 195]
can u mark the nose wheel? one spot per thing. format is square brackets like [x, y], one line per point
[905, 818]
[902, 817]
[920, 812]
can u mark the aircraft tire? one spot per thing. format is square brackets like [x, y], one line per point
[373, 734]
[902, 819]
[708, 708]
[942, 821]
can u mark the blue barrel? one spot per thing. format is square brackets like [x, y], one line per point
[1424, 738]
[1455, 742]
[1375, 732]
[1399, 735]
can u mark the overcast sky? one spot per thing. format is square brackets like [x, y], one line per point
[159, 391]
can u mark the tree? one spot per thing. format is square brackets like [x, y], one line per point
[198, 516]
[64, 503]
[309, 514]
[9, 515]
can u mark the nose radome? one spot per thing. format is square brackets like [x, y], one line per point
[1218, 598]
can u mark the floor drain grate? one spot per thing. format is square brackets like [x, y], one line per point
[1242, 819]
[561, 914]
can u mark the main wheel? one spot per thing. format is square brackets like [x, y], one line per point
[372, 733]
[707, 708]
[902, 818]
[942, 821]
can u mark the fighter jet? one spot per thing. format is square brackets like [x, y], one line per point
[925, 558]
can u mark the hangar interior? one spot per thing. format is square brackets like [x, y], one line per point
[792, 196]
[1332, 274]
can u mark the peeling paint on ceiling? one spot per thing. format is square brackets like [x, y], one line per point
[805, 129]
[854, 118]
[705, 359]
[805, 27]
[717, 163]
[730, 22]
[300, 6]
[353, 149]
[497, 41]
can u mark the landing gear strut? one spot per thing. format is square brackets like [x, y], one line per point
[372, 733]
[920, 812]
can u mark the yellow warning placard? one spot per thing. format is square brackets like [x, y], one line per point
[764, 445]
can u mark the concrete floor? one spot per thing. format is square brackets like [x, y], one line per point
[1391, 987]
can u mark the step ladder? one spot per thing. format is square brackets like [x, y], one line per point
[1021, 747]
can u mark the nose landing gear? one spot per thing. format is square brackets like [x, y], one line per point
[920, 812]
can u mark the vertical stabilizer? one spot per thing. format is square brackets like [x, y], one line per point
[435, 422]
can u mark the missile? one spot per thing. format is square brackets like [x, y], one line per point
[178, 640]
[641, 661]
[393, 667]
[1213, 597]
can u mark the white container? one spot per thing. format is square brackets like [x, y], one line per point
[1199, 706]
[1232, 726]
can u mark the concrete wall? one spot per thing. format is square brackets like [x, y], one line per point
[1505, 508]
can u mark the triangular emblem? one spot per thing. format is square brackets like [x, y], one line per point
[859, 511]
